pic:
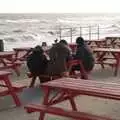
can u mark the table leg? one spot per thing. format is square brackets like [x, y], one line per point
[16, 69]
[117, 57]
[45, 101]
[72, 102]
[33, 81]
[12, 92]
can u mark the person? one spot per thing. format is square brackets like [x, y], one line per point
[37, 63]
[44, 46]
[59, 54]
[56, 41]
[84, 54]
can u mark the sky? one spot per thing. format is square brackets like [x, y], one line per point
[59, 6]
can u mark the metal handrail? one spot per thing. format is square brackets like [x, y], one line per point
[90, 33]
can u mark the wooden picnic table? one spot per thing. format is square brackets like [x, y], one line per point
[7, 60]
[67, 89]
[96, 43]
[22, 52]
[8, 88]
[91, 43]
[113, 42]
[103, 52]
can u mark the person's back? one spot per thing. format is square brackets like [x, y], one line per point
[59, 54]
[84, 54]
[37, 62]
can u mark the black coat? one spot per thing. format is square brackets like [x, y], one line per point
[84, 54]
[37, 63]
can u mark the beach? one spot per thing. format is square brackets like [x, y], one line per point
[88, 104]
[29, 30]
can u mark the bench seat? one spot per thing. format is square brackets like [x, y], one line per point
[112, 63]
[17, 86]
[62, 112]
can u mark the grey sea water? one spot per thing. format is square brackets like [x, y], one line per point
[23, 30]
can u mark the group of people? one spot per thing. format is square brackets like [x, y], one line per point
[54, 63]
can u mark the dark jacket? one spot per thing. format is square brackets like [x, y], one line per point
[85, 55]
[59, 54]
[37, 63]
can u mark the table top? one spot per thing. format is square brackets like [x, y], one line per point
[95, 40]
[22, 48]
[86, 87]
[2, 73]
[6, 53]
[106, 49]
[112, 37]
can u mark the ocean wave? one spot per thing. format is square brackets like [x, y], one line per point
[10, 39]
[22, 21]
[28, 38]
[18, 31]
[2, 33]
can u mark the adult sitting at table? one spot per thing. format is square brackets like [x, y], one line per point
[37, 63]
[59, 54]
[84, 54]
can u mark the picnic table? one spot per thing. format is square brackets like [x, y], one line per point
[67, 89]
[104, 54]
[92, 43]
[96, 43]
[7, 87]
[7, 60]
[113, 42]
[22, 52]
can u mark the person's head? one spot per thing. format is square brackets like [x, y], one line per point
[80, 41]
[64, 42]
[44, 44]
[56, 40]
[38, 49]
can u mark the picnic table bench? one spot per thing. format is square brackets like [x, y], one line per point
[7, 60]
[22, 53]
[104, 54]
[96, 42]
[68, 89]
[8, 87]
[113, 41]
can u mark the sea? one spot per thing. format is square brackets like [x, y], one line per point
[29, 30]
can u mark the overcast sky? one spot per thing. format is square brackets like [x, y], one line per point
[59, 6]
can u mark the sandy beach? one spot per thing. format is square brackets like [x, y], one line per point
[84, 103]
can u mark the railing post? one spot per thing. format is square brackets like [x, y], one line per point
[71, 34]
[80, 31]
[98, 32]
[60, 33]
[89, 32]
